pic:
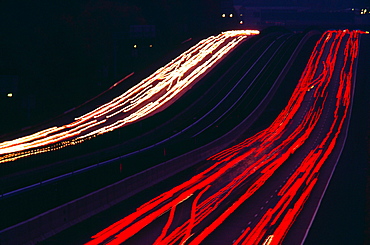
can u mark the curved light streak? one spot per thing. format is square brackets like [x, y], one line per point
[152, 95]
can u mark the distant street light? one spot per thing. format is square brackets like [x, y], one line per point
[9, 95]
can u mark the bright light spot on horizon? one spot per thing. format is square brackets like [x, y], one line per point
[10, 95]
[223, 15]
[135, 46]
[231, 15]
[241, 22]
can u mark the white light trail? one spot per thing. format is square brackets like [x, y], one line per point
[152, 95]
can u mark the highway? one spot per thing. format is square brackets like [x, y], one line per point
[126, 134]
[33, 163]
[254, 191]
[229, 98]
[274, 179]
[260, 58]
[151, 95]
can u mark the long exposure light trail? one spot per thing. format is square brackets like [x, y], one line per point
[236, 173]
[150, 96]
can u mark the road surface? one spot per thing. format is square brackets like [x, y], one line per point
[254, 191]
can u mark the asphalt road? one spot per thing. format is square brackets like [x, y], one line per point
[223, 88]
[254, 191]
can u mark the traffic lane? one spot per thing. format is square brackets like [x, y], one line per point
[133, 129]
[348, 182]
[167, 129]
[175, 77]
[235, 221]
[78, 160]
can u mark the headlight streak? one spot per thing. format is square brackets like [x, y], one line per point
[150, 96]
[266, 151]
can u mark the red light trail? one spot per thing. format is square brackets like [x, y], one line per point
[236, 173]
[150, 96]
